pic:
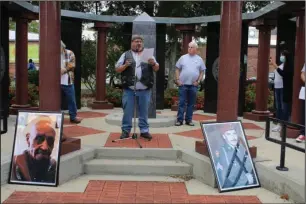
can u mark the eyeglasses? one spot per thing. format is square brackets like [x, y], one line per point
[40, 138]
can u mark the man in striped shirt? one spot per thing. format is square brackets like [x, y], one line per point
[67, 79]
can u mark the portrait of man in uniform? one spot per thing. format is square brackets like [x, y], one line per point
[36, 150]
[230, 156]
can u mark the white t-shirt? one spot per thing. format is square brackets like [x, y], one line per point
[190, 67]
[278, 79]
[64, 77]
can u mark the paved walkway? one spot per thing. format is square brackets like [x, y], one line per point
[94, 131]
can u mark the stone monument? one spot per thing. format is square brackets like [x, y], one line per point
[145, 26]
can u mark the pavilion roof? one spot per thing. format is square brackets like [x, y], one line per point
[74, 15]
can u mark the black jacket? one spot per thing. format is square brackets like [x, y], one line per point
[128, 75]
[287, 75]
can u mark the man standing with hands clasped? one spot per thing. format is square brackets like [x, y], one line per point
[189, 72]
[67, 79]
[129, 65]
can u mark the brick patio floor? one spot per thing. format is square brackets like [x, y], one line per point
[158, 141]
[128, 192]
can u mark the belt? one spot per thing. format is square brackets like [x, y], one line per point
[141, 89]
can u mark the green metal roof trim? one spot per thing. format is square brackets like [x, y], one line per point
[161, 20]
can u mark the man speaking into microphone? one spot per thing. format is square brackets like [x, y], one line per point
[132, 67]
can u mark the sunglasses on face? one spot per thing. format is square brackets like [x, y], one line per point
[40, 138]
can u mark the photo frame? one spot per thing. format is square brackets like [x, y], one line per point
[36, 149]
[230, 156]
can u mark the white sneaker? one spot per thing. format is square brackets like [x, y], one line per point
[277, 128]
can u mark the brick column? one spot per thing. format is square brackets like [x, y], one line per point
[299, 60]
[229, 68]
[261, 105]
[229, 63]
[100, 101]
[187, 31]
[49, 56]
[21, 68]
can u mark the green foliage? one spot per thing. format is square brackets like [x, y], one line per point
[33, 77]
[250, 98]
[88, 65]
[33, 94]
[114, 96]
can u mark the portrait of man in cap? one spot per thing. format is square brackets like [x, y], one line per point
[232, 161]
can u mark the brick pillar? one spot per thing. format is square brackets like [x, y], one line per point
[299, 60]
[49, 56]
[21, 59]
[261, 104]
[229, 68]
[100, 101]
[229, 64]
[187, 31]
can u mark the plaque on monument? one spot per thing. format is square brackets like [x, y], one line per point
[145, 26]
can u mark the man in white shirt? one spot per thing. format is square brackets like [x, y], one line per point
[301, 137]
[134, 71]
[67, 78]
[189, 72]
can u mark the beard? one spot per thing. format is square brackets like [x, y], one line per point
[42, 155]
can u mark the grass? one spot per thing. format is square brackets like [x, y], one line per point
[33, 52]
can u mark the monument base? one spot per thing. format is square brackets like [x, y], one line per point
[101, 105]
[257, 115]
[69, 145]
[201, 148]
[15, 108]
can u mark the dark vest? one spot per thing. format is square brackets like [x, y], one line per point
[128, 75]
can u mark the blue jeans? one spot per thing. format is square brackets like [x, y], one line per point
[278, 95]
[70, 96]
[286, 116]
[142, 102]
[187, 95]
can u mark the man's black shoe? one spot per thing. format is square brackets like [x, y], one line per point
[146, 135]
[124, 135]
[190, 123]
[178, 123]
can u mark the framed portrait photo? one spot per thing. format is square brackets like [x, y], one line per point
[36, 148]
[230, 156]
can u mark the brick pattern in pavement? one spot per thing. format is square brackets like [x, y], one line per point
[128, 192]
[78, 131]
[158, 141]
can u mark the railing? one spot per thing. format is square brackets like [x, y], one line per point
[283, 142]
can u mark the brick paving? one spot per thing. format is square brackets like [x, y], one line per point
[201, 118]
[90, 114]
[127, 192]
[158, 141]
[199, 135]
[78, 131]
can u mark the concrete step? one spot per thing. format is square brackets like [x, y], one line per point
[137, 167]
[137, 153]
